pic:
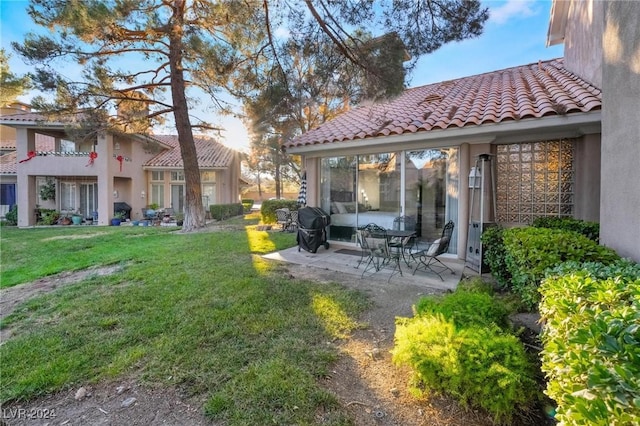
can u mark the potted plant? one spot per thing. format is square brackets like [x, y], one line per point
[76, 218]
[65, 219]
[118, 217]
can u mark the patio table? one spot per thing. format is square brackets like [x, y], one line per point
[404, 236]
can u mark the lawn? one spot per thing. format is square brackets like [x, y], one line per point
[203, 312]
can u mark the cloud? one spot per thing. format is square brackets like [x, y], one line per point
[512, 9]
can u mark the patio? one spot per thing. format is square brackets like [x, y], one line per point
[344, 259]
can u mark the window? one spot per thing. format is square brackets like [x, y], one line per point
[67, 146]
[177, 176]
[157, 176]
[535, 180]
[88, 198]
[157, 194]
[208, 176]
[68, 196]
[376, 188]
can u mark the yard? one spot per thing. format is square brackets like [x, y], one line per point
[198, 328]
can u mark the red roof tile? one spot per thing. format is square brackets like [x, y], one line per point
[9, 163]
[211, 154]
[536, 90]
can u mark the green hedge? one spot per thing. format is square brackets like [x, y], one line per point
[269, 207]
[530, 251]
[494, 254]
[590, 230]
[247, 204]
[592, 342]
[455, 345]
[225, 211]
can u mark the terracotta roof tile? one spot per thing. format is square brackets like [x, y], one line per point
[211, 154]
[530, 91]
[9, 164]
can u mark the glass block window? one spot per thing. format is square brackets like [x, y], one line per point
[535, 179]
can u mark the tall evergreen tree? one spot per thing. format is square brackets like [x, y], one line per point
[170, 46]
[11, 86]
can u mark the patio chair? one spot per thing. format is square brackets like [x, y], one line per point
[403, 244]
[167, 214]
[380, 254]
[368, 229]
[427, 259]
[294, 220]
[283, 218]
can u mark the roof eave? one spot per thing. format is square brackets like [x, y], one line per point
[570, 125]
[558, 22]
[34, 124]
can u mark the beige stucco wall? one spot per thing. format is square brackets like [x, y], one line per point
[620, 194]
[583, 40]
[587, 178]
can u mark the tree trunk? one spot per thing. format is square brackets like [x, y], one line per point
[194, 216]
[276, 178]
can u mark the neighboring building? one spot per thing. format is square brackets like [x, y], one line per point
[540, 124]
[100, 175]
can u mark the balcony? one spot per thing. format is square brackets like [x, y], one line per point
[59, 163]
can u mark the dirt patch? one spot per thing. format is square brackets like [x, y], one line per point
[365, 381]
[117, 403]
[11, 297]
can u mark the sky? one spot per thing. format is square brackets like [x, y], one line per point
[514, 35]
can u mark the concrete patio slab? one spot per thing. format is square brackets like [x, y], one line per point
[344, 259]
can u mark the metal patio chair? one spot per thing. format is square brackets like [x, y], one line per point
[427, 259]
[380, 255]
[368, 229]
[283, 218]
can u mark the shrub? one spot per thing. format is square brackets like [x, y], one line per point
[455, 346]
[530, 251]
[49, 216]
[269, 207]
[465, 309]
[478, 366]
[225, 211]
[592, 342]
[590, 230]
[494, 254]
[11, 217]
[247, 204]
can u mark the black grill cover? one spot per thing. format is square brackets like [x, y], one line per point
[313, 218]
[122, 207]
[312, 223]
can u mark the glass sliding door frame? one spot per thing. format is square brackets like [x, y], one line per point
[375, 188]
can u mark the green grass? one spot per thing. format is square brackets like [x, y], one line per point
[200, 311]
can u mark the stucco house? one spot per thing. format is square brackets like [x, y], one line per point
[553, 145]
[108, 172]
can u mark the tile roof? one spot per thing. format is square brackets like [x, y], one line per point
[9, 163]
[211, 154]
[36, 117]
[536, 90]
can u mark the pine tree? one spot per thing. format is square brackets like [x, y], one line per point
[171, 47]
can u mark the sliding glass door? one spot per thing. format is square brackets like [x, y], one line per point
[339, 195]
[376, 188]
[431, 190]
[88, 199]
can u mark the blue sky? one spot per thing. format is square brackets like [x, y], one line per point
[514, 35]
